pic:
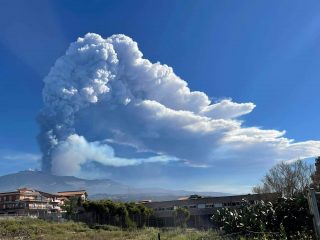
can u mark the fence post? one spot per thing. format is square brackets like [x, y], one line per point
[313, 206]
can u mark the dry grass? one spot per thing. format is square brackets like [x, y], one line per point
[26, 228]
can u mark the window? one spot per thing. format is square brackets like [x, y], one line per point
[218, 205]
[227, 204]
[201, 206]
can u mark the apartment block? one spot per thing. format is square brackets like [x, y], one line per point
[202, 208]
[30, 201]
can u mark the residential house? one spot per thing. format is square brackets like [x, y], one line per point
[28, 201]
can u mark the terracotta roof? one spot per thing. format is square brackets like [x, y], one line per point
[5, 193]
[46, 194]
[71, 193]
[23, 191]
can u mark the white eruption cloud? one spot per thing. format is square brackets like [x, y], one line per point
[103, 91]
[75, 151]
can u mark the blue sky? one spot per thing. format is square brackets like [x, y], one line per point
[264, 52]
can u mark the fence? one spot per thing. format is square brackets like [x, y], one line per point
[94, 218]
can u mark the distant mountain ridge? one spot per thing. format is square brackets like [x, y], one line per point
[97, 189]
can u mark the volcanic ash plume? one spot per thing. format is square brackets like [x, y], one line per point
[102, 94]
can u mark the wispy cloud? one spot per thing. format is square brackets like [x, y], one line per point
[13, 161]
[29, 157]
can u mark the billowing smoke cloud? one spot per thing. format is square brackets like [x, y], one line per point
[102, 94]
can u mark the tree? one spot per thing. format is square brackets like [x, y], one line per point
[71, 206]
[181, 216]
[138, 213]
[116, 213]
[289, 179]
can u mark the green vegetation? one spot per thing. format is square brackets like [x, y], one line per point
[285, 219]
[288, 218]
[71, 206]
[126, 215]
[26, 228]
[182, 216]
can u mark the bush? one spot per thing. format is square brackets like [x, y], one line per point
[287, 216]
[105, 227]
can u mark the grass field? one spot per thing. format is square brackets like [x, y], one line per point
[26, 228]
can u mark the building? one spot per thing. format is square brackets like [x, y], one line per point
[82, 194]
[67, 195]
[27, 200]
[202, 208]
[33, 202]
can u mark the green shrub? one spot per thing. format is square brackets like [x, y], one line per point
[105, 227]
[126, 215]
[286, 216]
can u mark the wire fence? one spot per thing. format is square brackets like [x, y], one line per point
[99, 221]
[165, 224]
